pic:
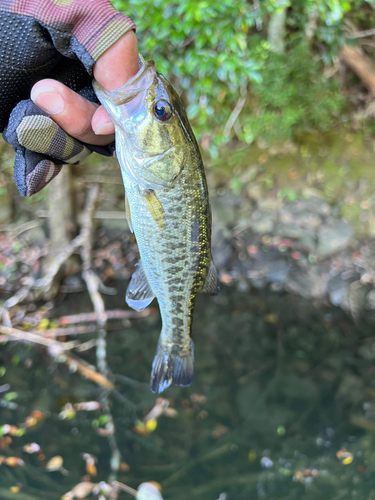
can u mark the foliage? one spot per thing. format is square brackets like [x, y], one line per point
[203, 48]
[292, 98]
[214, 53]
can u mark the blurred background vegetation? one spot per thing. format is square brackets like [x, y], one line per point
[255, 70]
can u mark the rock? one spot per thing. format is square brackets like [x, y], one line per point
[333, 237]
[222, 253]
[259, 284]
[277, 271]
[295, 214]
[311, 283]
[357, 298]
[255, 192]
[269, 204]
[370, 299]
[338, 292]
[308, 240]
[315, 205]
[262, 221]
[288, 230]
[223, 215]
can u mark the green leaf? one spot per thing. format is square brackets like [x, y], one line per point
[10, 396]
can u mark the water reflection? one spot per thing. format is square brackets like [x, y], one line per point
[282, 406]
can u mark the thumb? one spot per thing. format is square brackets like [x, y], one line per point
[112, 70]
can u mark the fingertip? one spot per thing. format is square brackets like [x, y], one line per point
[118, 64]
[101, 122]
[48, 99]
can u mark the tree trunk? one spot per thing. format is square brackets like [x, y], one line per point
[276, 31]
[62, 218]
[62, 225]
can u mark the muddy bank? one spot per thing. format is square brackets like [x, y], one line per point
[300, 219]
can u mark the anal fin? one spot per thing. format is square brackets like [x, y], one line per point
[139, 293]
[212, 285]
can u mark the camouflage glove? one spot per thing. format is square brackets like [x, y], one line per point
[54, 39]
[42, 147]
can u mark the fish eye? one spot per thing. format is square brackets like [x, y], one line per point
[162, 111]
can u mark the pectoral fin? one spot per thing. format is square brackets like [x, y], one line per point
[155, 207]
[128, 214]
[139, 293]
[212, 286]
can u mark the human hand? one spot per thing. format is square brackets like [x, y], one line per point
[50, 51]
[78, 117]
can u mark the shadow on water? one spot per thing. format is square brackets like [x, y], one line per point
[282, 406]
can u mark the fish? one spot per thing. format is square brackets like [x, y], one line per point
[168, 209]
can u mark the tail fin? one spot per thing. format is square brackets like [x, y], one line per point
[169, 366]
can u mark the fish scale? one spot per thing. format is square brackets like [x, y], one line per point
[170, 214]
[164, 276]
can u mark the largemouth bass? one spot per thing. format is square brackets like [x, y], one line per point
[168, 209]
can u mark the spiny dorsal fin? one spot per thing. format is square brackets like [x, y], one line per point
[211, 286]
[139, 293]
[128, 214]
[155, 207]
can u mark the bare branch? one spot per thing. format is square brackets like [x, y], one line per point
[115, 314]
[362, 34]
[93, 284]
[235, 113]
[360, 64]
[15, 334]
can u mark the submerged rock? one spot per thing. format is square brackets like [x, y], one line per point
[288, 230]
[296, 213]
[338, 292]
[309, 283]
[332, 237]
[277, 271]
[370, 299]
[262, 221]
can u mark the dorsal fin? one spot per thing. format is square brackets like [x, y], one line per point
[212, 285]
[139, 293]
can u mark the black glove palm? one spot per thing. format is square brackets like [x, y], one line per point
[28, 54]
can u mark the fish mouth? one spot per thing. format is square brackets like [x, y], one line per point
[141, 81]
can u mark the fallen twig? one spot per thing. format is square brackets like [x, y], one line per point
[361, 34]
[100, 214]
[87, 371]
[93, 284]
[235, 113]
[23, 336]
[93, 316]
[5, 317]
[20, 295]
[362, 65]
[58, 350]
[61, 332]
[124, 487]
